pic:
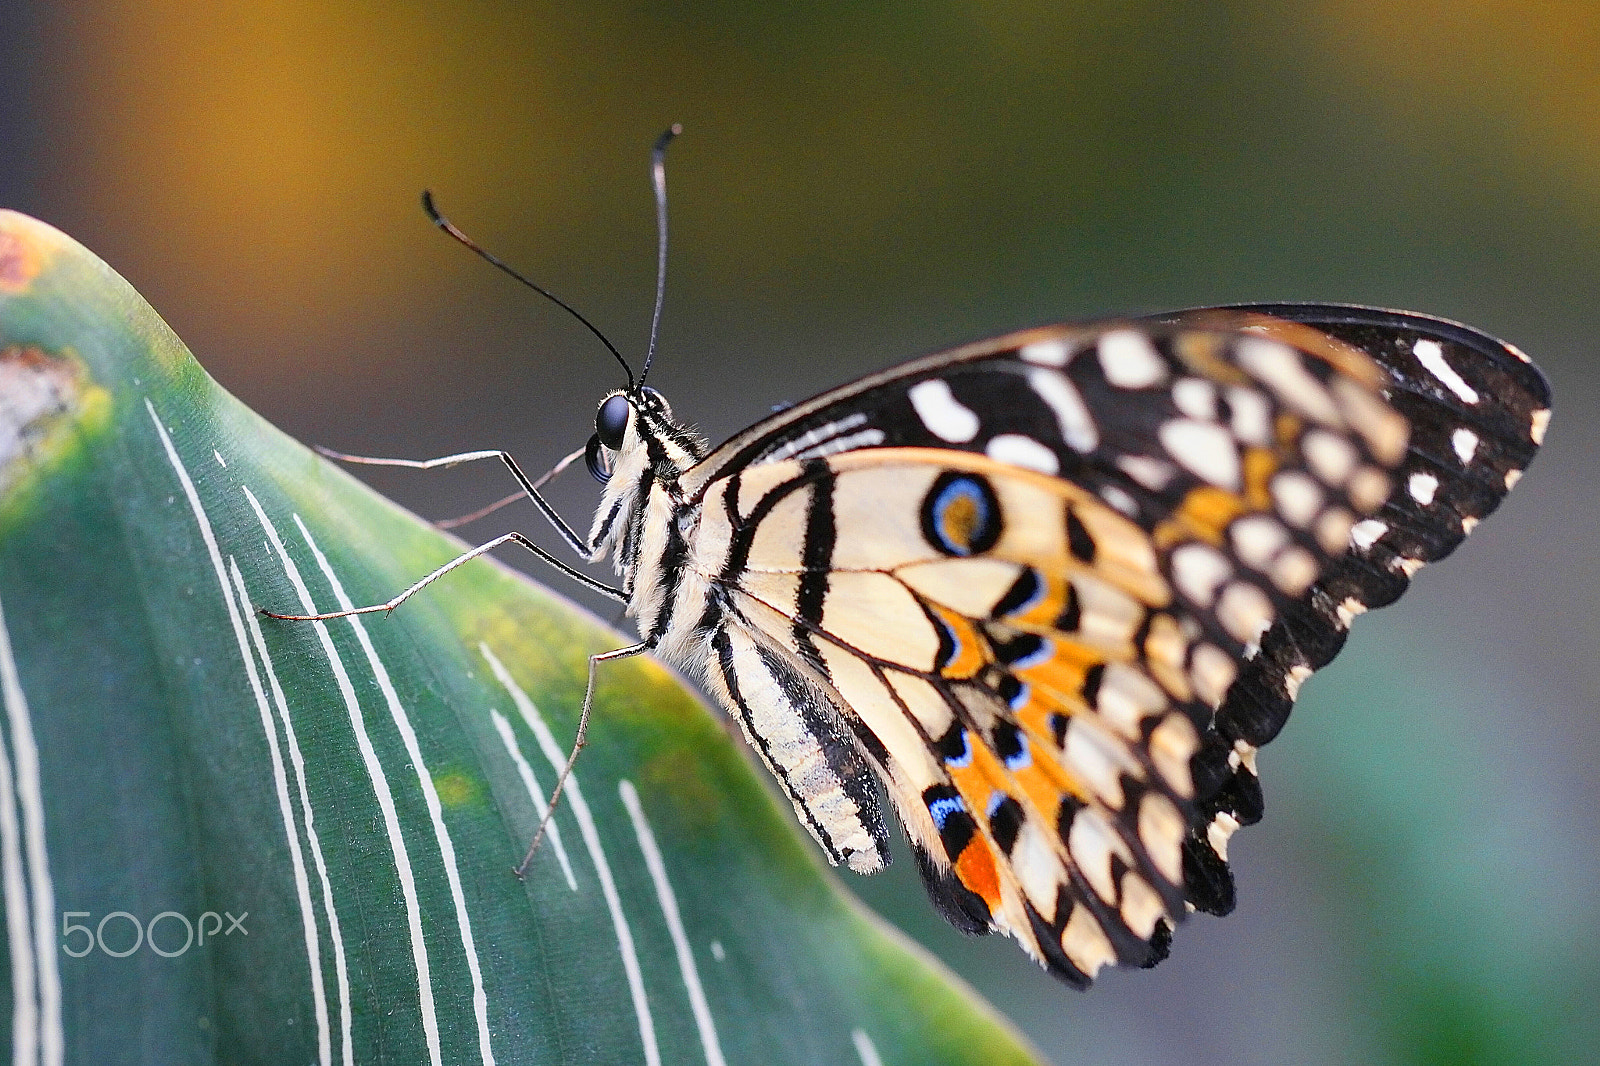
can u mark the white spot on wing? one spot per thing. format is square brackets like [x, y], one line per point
[1540, 423]
[1431, 355]
[1022, 451]
[1252, 417]
[1213, 670]
[1150, 472]
[1196, 397]
[669, 911]
[1197, 570]
[1089, 840]
[1331, 457]
[1365, 534]
[1348, 609]
[1283, 369]
[1162, 830]
[1093, 757]
[944, 415]
[1422, 487]
[1368, 488]
[1294, 570]
[1037, 868]
[1129, 360]
[1205, 449]
[1046, 353]
[1297, 496]
[1072, 415]
[1465, 442]
[1244, 611]
[1257, 538]
[1119, 499]
[1217, 833]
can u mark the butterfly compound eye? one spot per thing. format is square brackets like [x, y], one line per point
[612, 420]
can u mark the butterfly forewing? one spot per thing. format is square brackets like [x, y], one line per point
[1056, 589]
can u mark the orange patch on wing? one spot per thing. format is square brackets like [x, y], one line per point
[1203, 515]
[972, 651]
[1287, 429]
[1044, 780]
[1043, 614]
[1060, 678]
[981, 776]
[975, 867]
[1201, 352]
[1259, 466]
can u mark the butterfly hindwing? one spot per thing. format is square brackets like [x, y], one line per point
[1020, 580]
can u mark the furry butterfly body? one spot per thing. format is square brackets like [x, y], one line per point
[1051, 592]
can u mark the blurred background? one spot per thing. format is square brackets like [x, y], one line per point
[862, 182]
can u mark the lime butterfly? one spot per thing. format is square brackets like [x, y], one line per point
[1050, 592]
[1053, 590]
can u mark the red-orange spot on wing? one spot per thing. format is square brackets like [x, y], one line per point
[975, 867]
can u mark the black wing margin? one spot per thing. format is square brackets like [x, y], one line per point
[1478, 409]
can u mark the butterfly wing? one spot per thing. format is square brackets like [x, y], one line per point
[1055, 588]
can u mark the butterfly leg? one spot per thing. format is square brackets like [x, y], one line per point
[521, 494]
[482, 549]
[578, 742]
[530, 488]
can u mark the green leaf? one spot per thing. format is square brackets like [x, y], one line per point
[225, 838]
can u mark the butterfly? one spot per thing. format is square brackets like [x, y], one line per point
[1048, 593]
[1052, 591]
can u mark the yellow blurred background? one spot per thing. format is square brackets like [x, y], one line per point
[862, 182]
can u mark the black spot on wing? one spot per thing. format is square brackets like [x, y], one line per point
[961, 514]
[1005, 822]
[1024, 592]
[958, 904]
[1079, 542]
[1207, 881]
[1160, 945]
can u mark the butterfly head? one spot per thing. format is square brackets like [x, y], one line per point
[636, 446]
[621, 424]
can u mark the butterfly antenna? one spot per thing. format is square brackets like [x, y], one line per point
[494, 260]
[658, 179]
